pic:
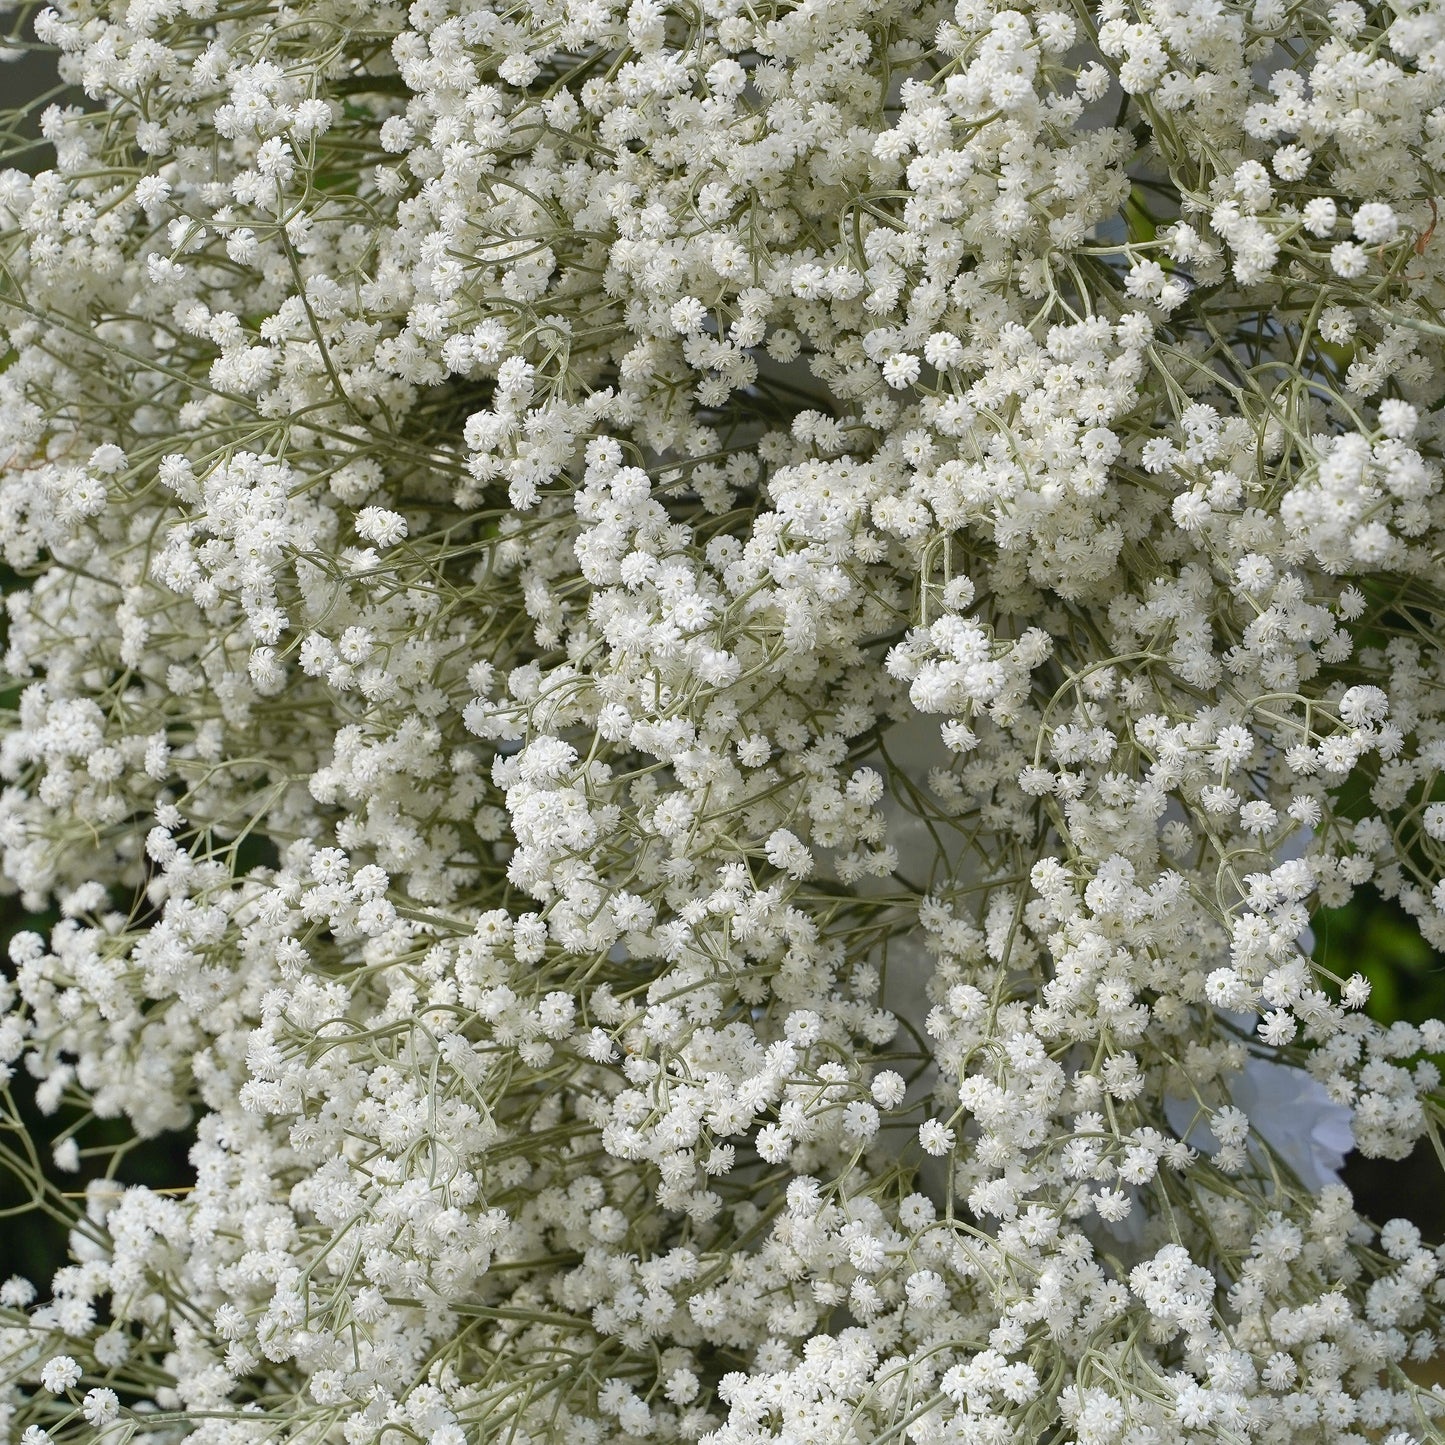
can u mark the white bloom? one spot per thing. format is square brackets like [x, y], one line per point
[58, 1374]
[650, 654]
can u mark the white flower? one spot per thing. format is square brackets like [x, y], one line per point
[59, 1373]
[888, 1089]
[1349, 260]
[378, 525]
[934, 1138]
[653, 653]
[100, 1407]
[1375, 224]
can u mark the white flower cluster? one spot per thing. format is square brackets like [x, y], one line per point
[690, 673]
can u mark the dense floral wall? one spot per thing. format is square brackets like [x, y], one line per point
[691, 673]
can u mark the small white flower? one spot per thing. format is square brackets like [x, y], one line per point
[935, 1138]
[888, 1089]
[59, 1374]
[1349, 260]
[378, 525]
[901, 369]
[1376, 224]
[100, 1407]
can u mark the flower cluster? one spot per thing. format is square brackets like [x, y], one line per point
[688, 674]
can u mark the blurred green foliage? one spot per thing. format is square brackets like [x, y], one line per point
[1378, 939]
[1375, 937]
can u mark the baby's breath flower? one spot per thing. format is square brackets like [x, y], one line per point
[59, 1373]
[685, 684]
